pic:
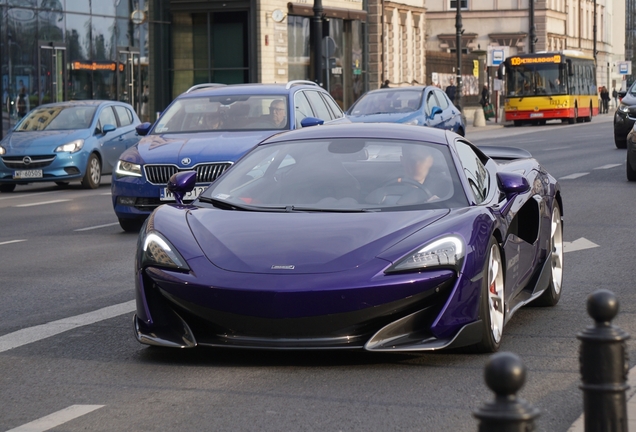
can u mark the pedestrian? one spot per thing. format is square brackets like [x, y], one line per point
[485, 96]
[605, 98]
[22, 100]
[385, 84]
[144, 104]
[615, 97]
[450, 91]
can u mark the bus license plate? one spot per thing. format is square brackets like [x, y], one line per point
[27, 174]
[166, 195]
[536, 114]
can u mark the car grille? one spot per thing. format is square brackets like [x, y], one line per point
[17, 162]
[206, 173]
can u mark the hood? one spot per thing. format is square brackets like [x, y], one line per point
[198, 147]
[383, 118]
[40, 142]
[256, 242]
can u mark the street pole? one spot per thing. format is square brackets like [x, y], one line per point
[316, 30]
[594, 33]
[458, 43]
[533, 32]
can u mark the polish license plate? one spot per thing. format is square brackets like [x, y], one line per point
[166, 195]
[27, 174]
[536, 114]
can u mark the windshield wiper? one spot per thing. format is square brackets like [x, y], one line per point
[325, 210]
[227, 205]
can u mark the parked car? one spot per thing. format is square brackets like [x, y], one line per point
[66, 141]
[625, 116]
[360, 236]
[416, 105]
[206, 129]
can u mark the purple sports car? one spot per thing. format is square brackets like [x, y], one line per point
[363, 236]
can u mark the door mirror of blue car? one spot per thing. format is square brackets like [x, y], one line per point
[311, 121]
[108, 128]
[181, 183]
[436, 110]
[512, 183]
[143, 129]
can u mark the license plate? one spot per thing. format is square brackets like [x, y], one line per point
[27, 174]
[166, 195]
[536, 114]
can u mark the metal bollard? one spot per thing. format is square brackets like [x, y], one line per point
[505, 374]
[604, 367]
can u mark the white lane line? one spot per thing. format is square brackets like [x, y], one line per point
[37, 333]
[580, 244]
[23, 196]
[12, 241]
[97, 227]
[608, 166]
[57, 418]
[42, 203]
[109, 193]
[573, 176]
[557, 148]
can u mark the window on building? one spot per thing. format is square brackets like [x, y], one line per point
[463, 4]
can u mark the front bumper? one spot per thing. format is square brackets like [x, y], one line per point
[63, 167]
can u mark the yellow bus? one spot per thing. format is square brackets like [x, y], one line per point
[550, 85]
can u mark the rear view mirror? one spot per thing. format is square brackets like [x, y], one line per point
[108, 128]
[143, 128]
[501, 71]
[311, 121]
[181, 183]
[512, 183]
[436, 110]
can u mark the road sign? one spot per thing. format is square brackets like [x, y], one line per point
[624, 67]
[497, 55]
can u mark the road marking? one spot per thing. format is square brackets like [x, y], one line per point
[23, 196]
[57, 418]
[608, 166]
[97, 227]
[109, 193]
[37, 333]
[12, 241]
[573, 176]
[557, 148]
[42, 203]
[580, 244]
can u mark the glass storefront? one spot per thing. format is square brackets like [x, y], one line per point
[54, 50]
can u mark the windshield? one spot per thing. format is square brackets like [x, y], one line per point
[386, 102]
[223, 113]
[57, 118]
[536, 79]
[347, 174]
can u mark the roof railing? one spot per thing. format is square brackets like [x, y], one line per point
[206, 85]
[299, 82]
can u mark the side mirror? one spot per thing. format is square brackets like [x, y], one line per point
[501, 71]
[511, 183]
[143, 128]
[311, 121]
[436, 110]
[181, 183]
[570, 68]
[108, 128]
[622, 93]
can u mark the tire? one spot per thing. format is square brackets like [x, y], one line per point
[589, 118]
[552, 294]
[631, 173]
[7, 188]
[130, 225]
[620, 144]
[576, 116]
[93, 176]
[492, 306]
[518, 123]
[62, 184]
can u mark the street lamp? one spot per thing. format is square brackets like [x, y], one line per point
[316, 31]
[458, 43]
[533, 31]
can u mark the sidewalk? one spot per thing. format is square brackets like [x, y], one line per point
[578, 425]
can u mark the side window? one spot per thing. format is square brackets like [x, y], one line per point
[335, 109]
[124, 114]
[319, 105]
[430, 102]
[107, 117]
[474, 171]
[442, 99]
[302, 108]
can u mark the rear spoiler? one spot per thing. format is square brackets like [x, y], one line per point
[505, 153]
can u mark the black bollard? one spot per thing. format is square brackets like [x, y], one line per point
[604, 367]
[505, 374]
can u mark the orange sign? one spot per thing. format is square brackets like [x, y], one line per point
[516, 61]
[111, 66]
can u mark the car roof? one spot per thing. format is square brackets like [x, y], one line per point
[365, 130]
[252, 88]
[87, 102]
[409, 88]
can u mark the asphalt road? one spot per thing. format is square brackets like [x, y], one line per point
[69, 362]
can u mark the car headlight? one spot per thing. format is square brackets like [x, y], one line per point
[2, 150]
[623, 108]
[157, 251]
[445, 252]
[72, 147]
[412, 122]
[124, 169]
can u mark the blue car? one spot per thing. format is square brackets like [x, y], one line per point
[416, 105]
[66, 141]
[375, 237]
[206, 129]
